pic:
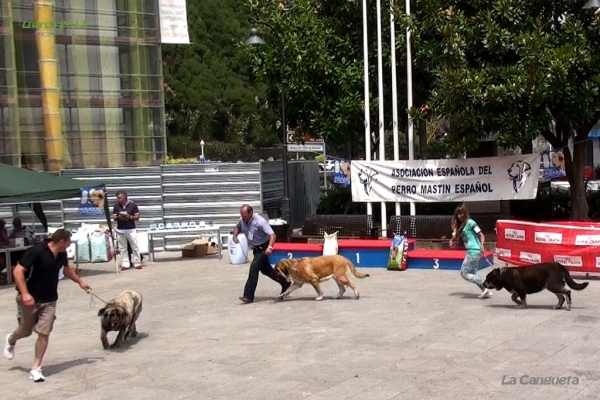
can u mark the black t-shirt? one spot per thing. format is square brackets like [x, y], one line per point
[41, 272]
[130, 208]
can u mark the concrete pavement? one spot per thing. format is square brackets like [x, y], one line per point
[413, 335]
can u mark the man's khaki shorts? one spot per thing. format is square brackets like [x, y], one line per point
[39, 317]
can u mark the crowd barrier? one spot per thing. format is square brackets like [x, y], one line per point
[576, 245]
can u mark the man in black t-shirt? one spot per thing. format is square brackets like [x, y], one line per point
[126, 212]
[36, 278]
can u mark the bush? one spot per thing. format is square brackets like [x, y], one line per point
[338, 200]
[552, 204]
[187, 148]
[171, 160]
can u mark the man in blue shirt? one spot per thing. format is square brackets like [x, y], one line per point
[261, 238]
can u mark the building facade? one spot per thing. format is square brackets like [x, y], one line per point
[81, 84]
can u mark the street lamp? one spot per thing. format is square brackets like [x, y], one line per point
[202, 159]
[255, 40]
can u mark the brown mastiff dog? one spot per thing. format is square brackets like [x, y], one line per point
[314, 270]
[120, 315]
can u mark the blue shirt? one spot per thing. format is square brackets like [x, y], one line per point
[257, 230]
[470, 237]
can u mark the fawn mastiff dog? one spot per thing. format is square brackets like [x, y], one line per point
[527, 280]
[120, 315]
[314, 270]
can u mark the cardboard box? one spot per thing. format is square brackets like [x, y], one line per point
[198, 248]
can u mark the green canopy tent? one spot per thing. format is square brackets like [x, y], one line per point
[23, 186]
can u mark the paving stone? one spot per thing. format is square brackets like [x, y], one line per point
[416, 334]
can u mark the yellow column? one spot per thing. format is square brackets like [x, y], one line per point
[51, 96]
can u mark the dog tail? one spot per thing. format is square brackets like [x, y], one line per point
[572, 284]
[356, 273]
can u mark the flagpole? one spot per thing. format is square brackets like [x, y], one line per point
[411, 138]
[394, 90]
[381, 123]
[367, 105]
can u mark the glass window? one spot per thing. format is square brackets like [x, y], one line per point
[26, 54]
[92, 76]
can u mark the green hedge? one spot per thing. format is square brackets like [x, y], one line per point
[552, 204]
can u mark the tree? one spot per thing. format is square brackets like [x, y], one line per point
[209, 93]
[515, 69]
[322, 64]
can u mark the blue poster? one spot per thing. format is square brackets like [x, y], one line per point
[92, 201]
[553, 165]
[341, 172]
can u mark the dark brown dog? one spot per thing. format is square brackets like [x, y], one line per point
[120, 315]
[523, 281]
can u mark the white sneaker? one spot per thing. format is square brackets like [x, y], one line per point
[485, 294]
[9, 349]
[36, 375]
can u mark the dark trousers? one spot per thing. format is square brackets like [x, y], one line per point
[260, 263]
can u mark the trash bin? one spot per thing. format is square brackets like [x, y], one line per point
[237, 252]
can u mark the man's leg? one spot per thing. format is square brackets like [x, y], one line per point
[122, 242]
[43, 327]
[129, 252]
[252, 281]
[26, 317]
[135, 250]
[40, 349]
[266, 269]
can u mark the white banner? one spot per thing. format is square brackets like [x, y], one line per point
[429, 181]
[173, 22]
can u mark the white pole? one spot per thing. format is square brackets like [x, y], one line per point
[411, 138]
[367, 106]
[381, 124]
[394, 90]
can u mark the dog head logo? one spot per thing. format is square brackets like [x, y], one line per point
[366, 177]
[558, 160]
[518, 173]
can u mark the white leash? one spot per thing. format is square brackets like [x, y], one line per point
[92, 302]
